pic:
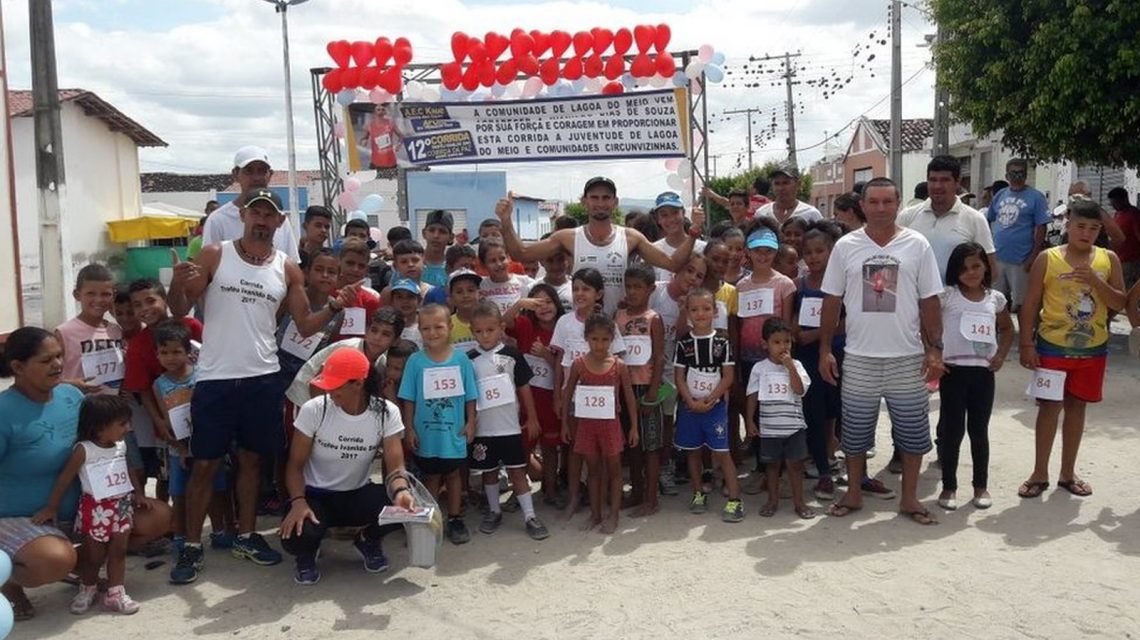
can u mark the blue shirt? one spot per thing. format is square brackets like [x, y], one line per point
[436, 295]
[439, 421]
[435, 274]
[1015, 215]
[35, 443]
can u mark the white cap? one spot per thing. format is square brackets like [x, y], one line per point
[249, 154]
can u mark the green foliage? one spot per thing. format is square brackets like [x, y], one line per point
[743, 180]
[1058, 77]
[577, 211]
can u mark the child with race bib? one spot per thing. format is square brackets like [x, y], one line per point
[1071, 290]
[503, 378]
[531, 323]
[977, 333]
[500, 286]
[568, 342]
[92, 346]
[352, 270]
[703, 372]
[438, 393]
[405, 296]
[644, 336]
[775, 414]
[294, 350]
[596, 382]
[107, 504]
[463, 297]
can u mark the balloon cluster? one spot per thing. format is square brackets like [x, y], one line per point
[358, 207]
[7, 617]
[364, 65]
[710, 62]
[496, 61]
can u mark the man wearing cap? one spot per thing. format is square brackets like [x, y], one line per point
[785, 188]
[438, 234]
[599, 243]
[251, 171]
[886, 277]
[247, 283]
[669, 213]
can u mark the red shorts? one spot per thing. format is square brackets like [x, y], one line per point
[1084, 377]
[101, 519]
[598, 438]
[551, 426]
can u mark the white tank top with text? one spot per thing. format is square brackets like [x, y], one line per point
[611, 260]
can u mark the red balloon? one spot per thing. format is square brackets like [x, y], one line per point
[573, 69]
[644, 35]
[331, 81]
[350, 77]
[362, 53]
[549, 71]
[593, 66]
[613, 88]
[369, 76]
[661, 40]
[666, 65]
[623, 40]
[602, 40]
[471, 78]
[487, 73]
[496, 44]
[451, 74]
[559, 43]
[541, 42]
[521, 43]
[528, 65]
[615, 66]
[642, 66]
[391, 80]
[401, 52]
[340, 51]
[382, 50]
[583, 42]
[476, 51]
[459, 41]
[507, 72]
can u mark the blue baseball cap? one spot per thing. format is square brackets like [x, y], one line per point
[763, 238]
[405, 284]
[668, 199]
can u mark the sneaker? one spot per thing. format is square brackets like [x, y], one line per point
[256, 550]
[895, 466]
[305, 570]
[118, 601]
[83, 599]
[733, 511]
[457, 531]
[189, 564]
[490, 522]
[222, 540]
[177, 544]
[876, 488]
[870, 453]
[699, 503]
[824, 489]
[666, 485]
[536, 530]
[372, 554]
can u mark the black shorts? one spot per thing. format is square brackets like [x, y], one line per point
[491, 453]
[247, 411]
[793, 447]
[438, 466]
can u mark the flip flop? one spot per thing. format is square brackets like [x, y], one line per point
[922, 516]
[1032, 489]
[1078, 488]
[767, 511]
[805, 513]
[840, 510]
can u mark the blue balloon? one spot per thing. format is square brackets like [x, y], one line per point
[7, 618]
[372, 203]
[5, 567]
[446, 95]
[714, 73]
[679, 79]
[577, 86]
[718, 59]
[358, 215]
[478, 96]
[346, 97]
[498, 89]
[628, 81]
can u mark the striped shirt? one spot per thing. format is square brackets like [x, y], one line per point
[777, 418]
[704, 353]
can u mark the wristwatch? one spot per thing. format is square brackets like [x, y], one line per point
[937, 345]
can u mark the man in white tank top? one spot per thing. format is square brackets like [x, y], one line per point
[599, 243]
[239, 393]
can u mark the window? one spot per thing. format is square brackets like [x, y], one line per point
[864, 175]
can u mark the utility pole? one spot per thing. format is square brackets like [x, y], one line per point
[282, 7]
[791, 111]
[941, 144]
[896, 93]
[55, 258]
[749, 111]
[714, 157]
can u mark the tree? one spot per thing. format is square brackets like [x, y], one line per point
[1057, 77]
[577, 211]
[743, 180]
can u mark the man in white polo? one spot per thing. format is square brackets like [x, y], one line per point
[785, 190]
[251, 171]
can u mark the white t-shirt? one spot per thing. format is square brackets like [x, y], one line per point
[669, 310]
[803, 210]
[962, 318]
[662, 244]
[505, 294]
[777, 418]
[343, 445]
[881, 287]
[570, 336]
[962, 223]
[493, 368]
[225, 224]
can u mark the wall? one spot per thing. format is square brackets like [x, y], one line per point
[827, 184]
[476, 192]
[192, 200]
[914, 172]
[10, 294]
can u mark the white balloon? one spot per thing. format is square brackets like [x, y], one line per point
[593, 85]
[659, 81]
[684, 167]
[414, 90]
[694, 69]
[430, 94]
[674, 182]
[513, 90]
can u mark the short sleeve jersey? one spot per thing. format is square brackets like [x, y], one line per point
[503, 360]
[344, 445]
[142, 363]
[707, 354]
[778, 418]
[439, 420]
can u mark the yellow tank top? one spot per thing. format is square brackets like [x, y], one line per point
[1074, 318]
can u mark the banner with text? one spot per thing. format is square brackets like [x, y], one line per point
[649, 124]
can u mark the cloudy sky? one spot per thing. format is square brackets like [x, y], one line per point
[206, 75]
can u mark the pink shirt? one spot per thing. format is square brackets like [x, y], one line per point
[80, 338]
[752, 328]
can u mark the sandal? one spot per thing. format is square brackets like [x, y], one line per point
[1032, 488]
[840, 510]
[22, 608]
[805, 513]
[922, 516]
[768, 510]
[1076, 486]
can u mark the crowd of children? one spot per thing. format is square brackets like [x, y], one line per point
[525, 376]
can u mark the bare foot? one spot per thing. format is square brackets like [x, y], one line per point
[610, 525]
[644, 510]
[591, 523]
[568, 512]
[769, 509]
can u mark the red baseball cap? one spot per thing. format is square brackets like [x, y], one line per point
[343, 366]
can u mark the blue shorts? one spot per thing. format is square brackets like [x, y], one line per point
[696, 430]
[247, 411]
[179, 476]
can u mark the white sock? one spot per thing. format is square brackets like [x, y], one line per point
[526, 501]
[492, 491]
